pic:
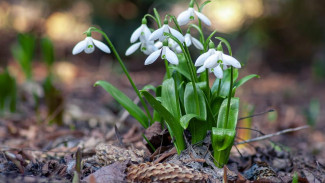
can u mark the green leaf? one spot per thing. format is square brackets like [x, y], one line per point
[185, 120]
[190, 104]
[126, 102]
[233, 114]
[182, 71]
[173, 125]
[169, 97]
[47, 51]
[149, 87]
[203, 4]
[225, 83]
[245, 79]
[206, 43]
[222, 138]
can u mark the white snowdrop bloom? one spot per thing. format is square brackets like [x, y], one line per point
[190, 39]
[174, 46]
[217, 71]
[147, 47]
[159, 33]
[202, 58]
[88, 46]
[165, 53]
[220, 58]
[187, 15]
[143, 30]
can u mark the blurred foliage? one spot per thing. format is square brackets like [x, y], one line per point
[47, 52]
[312, 112]
[23, 52]
[8, 95]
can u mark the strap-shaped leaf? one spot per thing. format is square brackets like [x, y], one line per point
[173, 125]
[233, 114]
[245, 79]
[222, 138]
[185, 120]
[126, 102]
[190, 104]
[225, 83]
[169, 97]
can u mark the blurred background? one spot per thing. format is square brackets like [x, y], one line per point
[281, 40]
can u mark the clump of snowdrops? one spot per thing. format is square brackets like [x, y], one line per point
[185, 100]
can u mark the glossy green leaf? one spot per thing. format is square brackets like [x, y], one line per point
[225, 83]
[190, 103]
[233, 114]
[126, 102]
[185, 120]
[222, 138]
[173, 125]
[47, 51]
[169, 97]
[245, 79]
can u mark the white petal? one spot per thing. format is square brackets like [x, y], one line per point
[102, 46]
[152, 57]
[90, 45]
[217, 71]
[212, 61]
[158, 44]
[136, 34]
[229, 60]
[184, 17]
[224, 67]
[201, 59]
[197, 43]
[171, 56]
[179, 49]
[177, 34]
[187, 38]
[156, 34]
[201, 69]
[146, 31]
[132, 48]
[79, 47]
[203, 18]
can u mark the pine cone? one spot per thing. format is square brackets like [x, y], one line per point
[163, 172]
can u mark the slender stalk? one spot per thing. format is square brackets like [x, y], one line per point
[229, 95]
[167, 69]
[219, 87]
[157, 17]
[207, 83]
[126, 72]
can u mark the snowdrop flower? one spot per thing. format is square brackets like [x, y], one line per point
[147, 47]
[165, 53]
[159, 33]
[213, 59]
[141, 32]
[187, 15]
[189, 40]
[174, 46]
[88, 46]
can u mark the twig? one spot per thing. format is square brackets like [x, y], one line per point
[272, 135]
[258, 114]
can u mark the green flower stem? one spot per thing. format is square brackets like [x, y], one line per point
[229, 95]
[167, 69]
[219, 87]
[207, 83]
[154, 18]
[125, 71]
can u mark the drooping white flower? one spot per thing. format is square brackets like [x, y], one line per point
[188, 15]
[190, 39]
[143, 30]
[88, 46]
[174, 46]
[147, 47]
[213, 59]
[159, 33]
[165, 53]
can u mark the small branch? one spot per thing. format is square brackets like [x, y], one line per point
[258, 114]
[272, 135]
